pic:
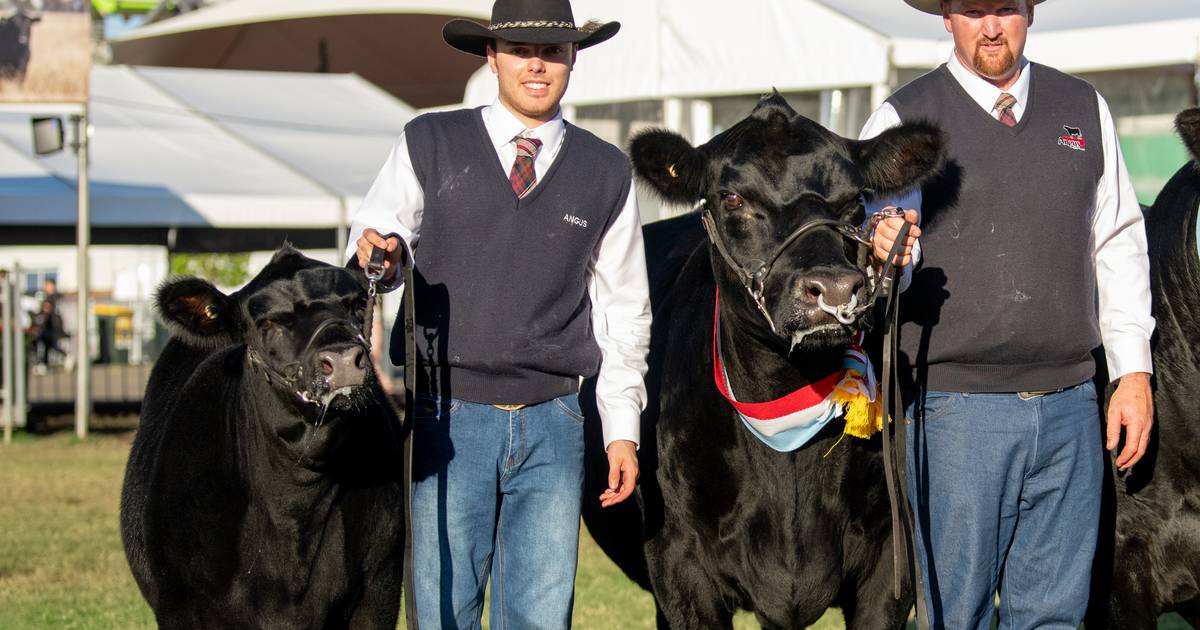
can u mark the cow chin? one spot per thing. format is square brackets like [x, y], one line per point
[821, 337]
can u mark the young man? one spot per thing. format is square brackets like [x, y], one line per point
[1032, 226]
[530, 275]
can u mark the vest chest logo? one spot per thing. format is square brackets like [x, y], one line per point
[1072, 139]
[574, 220]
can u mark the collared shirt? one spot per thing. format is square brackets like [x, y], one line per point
[618, 286]
[1118, 230]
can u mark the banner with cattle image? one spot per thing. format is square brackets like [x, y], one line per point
[45, 51]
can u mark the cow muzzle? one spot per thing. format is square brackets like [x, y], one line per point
[342, 367]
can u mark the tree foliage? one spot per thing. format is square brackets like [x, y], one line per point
[223, 270]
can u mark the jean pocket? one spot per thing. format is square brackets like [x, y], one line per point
[934, 405]
[569, 405]
[427, 409]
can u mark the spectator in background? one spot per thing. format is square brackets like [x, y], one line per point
[47, 326]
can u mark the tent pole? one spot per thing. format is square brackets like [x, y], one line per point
[83, 360]
[343, 229]
[6, 318]
[20, 360]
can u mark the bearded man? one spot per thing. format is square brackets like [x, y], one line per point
[1032, 255]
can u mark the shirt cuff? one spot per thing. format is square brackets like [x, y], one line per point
[1128, 355]
[621, 424]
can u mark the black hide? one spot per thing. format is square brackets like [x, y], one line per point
[243, 505]
[1148, 561]
[721, 521]
[15, 33]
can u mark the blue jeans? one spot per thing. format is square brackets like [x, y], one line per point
[1006, 494]
[496, 492]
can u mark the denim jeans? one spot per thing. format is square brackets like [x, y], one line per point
[496, 492]
[1006, 494]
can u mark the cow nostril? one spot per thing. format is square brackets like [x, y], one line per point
[814, 292]
[359, 357]
[326, 366]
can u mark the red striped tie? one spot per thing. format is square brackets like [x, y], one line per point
[523, 177]
[1003, 109]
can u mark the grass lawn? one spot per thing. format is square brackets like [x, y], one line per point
[62, 567]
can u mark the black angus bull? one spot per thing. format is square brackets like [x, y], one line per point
[1148, 561]
[264, 486]
[723, 522]
[15, 32]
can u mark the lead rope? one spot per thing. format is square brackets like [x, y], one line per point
[374, 272]
[895, 461]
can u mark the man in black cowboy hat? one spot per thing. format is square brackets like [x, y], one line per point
[530, 275]
[1034, 254]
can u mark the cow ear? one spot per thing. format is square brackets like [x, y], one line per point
[1187, 123]
[197, 313]
[900, 158]
[666, 161]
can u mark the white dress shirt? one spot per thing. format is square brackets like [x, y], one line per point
[1118, 231]
[618, 286]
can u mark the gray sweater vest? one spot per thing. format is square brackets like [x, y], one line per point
[1005, 299]
[501, 285]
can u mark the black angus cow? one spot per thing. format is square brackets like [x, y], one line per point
[1148, 561]
[722, 521]
[15, 32]
[263, 487]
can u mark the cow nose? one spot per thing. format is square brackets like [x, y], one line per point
[344, 367]
[833, 288]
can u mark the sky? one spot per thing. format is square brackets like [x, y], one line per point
[896, 18]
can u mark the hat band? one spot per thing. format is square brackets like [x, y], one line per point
[530, 24]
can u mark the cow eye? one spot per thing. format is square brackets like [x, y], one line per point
[275, 321]
[732, 201]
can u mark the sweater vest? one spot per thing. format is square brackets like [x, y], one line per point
[1005, 299]
[501, 284]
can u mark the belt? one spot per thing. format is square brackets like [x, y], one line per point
[1036, 394]
[510, 407]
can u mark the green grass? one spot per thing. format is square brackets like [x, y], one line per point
[62, 567]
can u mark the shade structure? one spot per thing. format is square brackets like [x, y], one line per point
[395, 44]
[205, 160]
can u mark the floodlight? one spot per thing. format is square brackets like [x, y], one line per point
[47, 135]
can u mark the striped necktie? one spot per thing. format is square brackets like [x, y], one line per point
[523, 176]
[1003, 109]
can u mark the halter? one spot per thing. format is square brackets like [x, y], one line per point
[754, 274]
[296, 381]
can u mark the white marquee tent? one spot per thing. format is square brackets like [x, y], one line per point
[178, 154]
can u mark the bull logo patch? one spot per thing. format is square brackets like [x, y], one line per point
[1072, 139]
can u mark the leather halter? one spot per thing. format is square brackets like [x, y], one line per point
[754, 274]
[295, 378]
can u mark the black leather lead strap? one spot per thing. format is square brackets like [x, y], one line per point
[410, 388]
[374, 272]
[890, 280]
[895, 459]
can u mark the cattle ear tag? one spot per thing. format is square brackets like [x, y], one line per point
[671, 171]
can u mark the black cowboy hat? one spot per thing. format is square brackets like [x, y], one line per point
[527, 22]
[935, 6]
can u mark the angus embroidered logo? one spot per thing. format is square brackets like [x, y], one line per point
[574, 220]
[1073, 139]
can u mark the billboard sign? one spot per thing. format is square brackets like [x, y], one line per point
[45, 51]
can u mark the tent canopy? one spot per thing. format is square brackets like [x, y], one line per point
[682, 48]
[395, 44]
[204, 159]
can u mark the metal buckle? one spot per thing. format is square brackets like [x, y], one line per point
[374, 270]
[1032, 395]
[509, 408]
